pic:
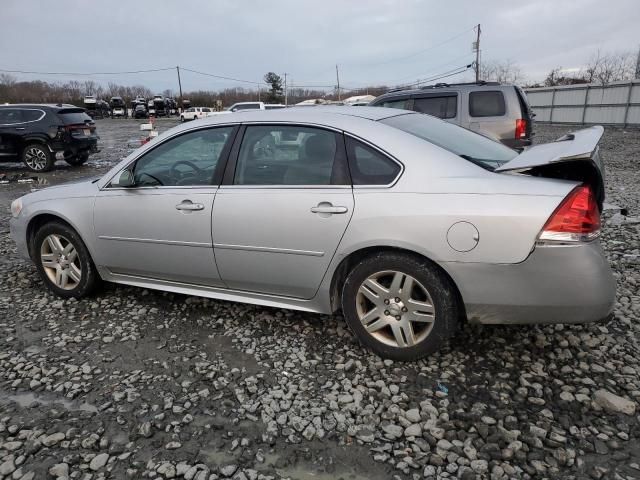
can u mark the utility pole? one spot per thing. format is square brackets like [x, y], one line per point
[338, 81]
[637, 75]
[180, 87]
[286, 98]
[477, 45]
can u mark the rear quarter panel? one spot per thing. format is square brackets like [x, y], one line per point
[507, 224]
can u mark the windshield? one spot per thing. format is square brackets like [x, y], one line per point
[469, 145]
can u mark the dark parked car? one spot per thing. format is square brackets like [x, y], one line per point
[41, 134]
[140, 112]
[499, 111]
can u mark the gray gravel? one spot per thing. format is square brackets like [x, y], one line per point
[141, 384]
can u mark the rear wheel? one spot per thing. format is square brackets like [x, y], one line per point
[63, 261]
[37, 157]
[77, 160]
[182, 118]
[399, 306]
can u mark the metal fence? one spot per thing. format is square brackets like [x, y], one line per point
[614, 104]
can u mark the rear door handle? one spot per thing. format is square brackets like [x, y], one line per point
[328, 209]
[20, 128]
[189, 206]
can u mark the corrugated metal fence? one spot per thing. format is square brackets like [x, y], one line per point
[614, 104]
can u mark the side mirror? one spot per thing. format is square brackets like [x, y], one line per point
[124, 180]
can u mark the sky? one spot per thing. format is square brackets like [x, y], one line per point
[373, 42]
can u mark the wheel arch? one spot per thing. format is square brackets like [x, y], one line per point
[346, 265]
[37, 221]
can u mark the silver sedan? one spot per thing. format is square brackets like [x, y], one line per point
[408, 224]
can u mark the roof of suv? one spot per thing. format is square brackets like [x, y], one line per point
[447, 86]
[53, 106]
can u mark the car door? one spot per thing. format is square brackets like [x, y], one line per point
[11, 129]
[159, 225]
[282, 209]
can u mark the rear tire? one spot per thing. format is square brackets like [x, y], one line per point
[78, 160]
[63, 261]
[182, 118]
[37, 157]
[400, 306]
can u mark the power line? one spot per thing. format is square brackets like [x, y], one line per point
[223, 77]
[439, 76]
[88, 74]
[423, 50]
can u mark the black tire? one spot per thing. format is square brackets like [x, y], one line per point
[182, 118]
[89, 278]
[439, 288]
[78, 160]
[37, 157]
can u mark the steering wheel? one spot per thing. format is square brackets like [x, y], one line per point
[152, 177]
[178, 173]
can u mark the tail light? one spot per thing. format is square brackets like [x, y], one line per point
[577, 218]
[521, 128]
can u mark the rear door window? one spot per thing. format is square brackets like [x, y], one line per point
[486, 104]
[441, 107]
[401, 103]
[32, 115]
[369, 166]
[290, 155]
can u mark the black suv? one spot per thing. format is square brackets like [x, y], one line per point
[41, 134]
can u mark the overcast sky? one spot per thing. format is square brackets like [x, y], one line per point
[373, 42]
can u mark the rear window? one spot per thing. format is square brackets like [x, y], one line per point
[486, 104]
[469, 145]
[70, 116]
[368, 166]
[441, 107]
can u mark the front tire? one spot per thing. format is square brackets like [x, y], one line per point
[400, 306]
[63, 261]
[182, 118]
[37, 157]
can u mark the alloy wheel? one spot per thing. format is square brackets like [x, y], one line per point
[35, 158]
[60, 261]
[395, 308]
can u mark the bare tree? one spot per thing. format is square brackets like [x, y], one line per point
[505, 71]
[605, 68]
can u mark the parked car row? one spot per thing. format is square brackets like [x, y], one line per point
[409, 224]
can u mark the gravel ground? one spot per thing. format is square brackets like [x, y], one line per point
[142, 384]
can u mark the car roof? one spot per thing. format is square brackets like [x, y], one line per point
[444, 87]
[53, 106]
[307, 114]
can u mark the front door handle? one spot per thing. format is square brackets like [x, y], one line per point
[20, 128]
[189, 206]
[326, 207]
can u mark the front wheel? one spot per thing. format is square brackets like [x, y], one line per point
[400, 306]
[63, 261]
[182, 118]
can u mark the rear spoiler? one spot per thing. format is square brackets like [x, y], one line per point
[571, 157]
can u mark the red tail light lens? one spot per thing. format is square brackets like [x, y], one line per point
[577, 218]
[521, 128]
